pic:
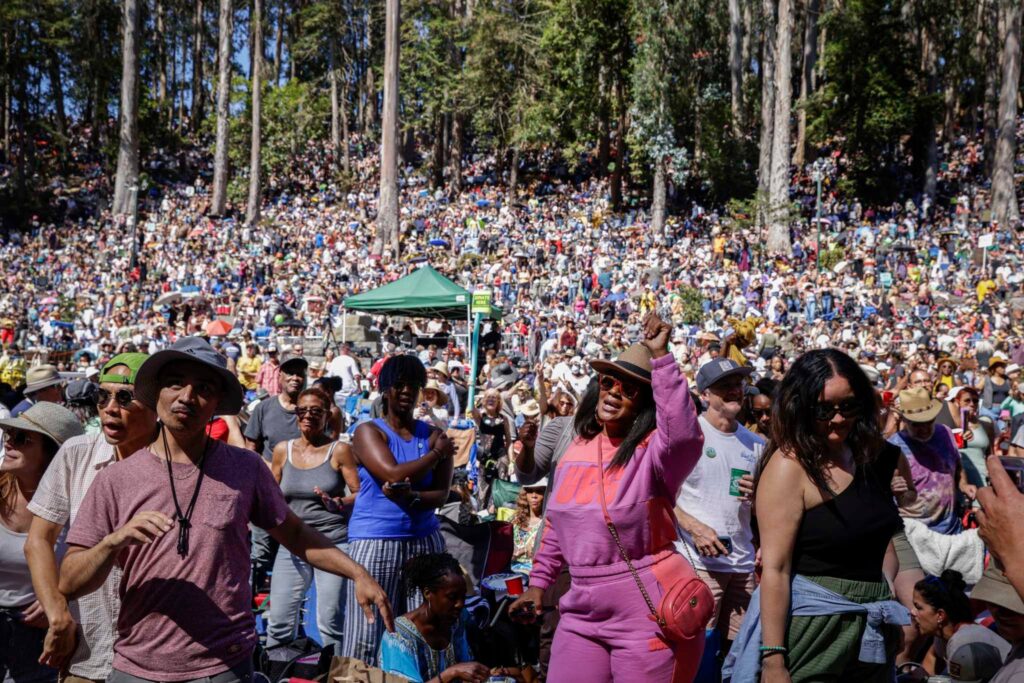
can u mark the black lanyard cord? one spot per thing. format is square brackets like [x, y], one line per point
[184, 520]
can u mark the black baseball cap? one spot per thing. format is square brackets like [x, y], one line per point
[719, 369]
[294, 361]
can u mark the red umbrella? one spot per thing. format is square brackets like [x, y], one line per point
[218, 328]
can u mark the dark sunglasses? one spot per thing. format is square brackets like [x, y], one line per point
[761, 413]
[630, 391]
[823, 412]
[402, 386]
[123, 398]
[312, 412]
[17, 437]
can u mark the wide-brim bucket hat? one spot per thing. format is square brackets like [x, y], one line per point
[49, 419]
[193, 350]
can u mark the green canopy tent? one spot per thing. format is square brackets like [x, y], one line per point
[423, 294]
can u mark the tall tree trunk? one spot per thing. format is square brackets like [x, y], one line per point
[929, 56]
[764, 164]
[128, 145]
[951, 105]
[604, 144]
[179, 83]
[778, 241]
[736, 64]
[437, 155]
[279, 41]
[990, 106]
[659, 197]
[160, 37]
[346, 159]
[620, 145]
[57, 88]
[196, 113]
[7, 96]
[808, 83]
[370, 110]
[455, 155]
[1004, 198]
[513, 175]
[387, 212]
[252, 205]
[332, 66]
[219, 199]
[749, 27]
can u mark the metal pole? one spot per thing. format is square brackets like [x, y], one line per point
[474, 355]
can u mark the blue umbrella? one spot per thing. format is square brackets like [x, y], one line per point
[438, 243]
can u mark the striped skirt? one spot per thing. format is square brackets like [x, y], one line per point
[383, 558]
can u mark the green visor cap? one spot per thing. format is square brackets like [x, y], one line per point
[133, 361]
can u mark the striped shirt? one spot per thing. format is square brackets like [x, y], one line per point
[58, 500]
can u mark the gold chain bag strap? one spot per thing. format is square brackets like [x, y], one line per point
[686, 607]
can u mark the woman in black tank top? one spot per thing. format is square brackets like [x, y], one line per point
[825, 511]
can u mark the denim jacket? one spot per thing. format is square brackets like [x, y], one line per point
[809, 599]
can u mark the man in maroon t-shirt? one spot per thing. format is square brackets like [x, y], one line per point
[175, 518]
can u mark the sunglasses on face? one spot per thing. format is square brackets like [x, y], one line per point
[314, 413]
[630, 391]
[761, 413]
[17, 437]
[824, 412]
[403, 386]
[123, 398]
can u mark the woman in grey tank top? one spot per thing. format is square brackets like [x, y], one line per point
[320, 490]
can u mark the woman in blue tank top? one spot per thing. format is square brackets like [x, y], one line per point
[405, 472]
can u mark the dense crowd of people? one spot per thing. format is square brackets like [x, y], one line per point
[637, 427]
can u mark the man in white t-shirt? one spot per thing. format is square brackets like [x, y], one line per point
[346, 367]
[713, 507]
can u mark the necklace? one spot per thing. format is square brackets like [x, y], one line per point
[184, 520]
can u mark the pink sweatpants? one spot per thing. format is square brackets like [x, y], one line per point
[606, 634]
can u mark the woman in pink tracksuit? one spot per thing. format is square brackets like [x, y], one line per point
[644, 427]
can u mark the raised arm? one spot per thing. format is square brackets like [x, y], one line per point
[533, 462]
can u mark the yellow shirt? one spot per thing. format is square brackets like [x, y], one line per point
[985, 287]
[247, 368]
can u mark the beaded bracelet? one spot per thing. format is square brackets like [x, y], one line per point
[767, 650]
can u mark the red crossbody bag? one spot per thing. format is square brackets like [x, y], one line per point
[686, 607]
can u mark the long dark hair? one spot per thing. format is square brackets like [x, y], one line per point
[587, 425]
[794, 428]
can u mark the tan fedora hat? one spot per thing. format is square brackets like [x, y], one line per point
[633, 364]
[40, 377]
[917, 405]
[530, 408]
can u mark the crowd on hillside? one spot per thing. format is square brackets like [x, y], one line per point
[877, 372]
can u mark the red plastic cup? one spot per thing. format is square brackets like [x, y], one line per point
[514, 586]
[958, 436]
